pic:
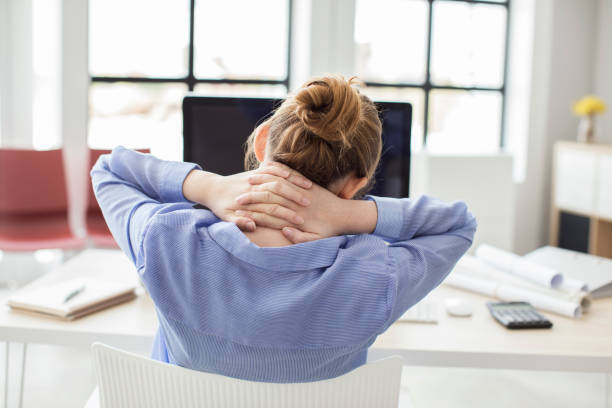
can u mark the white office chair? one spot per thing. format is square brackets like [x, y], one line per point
[129, 380]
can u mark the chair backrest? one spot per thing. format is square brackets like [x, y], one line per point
[32, 182]
[128, 380]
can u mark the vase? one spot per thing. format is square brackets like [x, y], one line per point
[586, 129]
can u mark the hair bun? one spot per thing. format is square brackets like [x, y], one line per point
[329, 107]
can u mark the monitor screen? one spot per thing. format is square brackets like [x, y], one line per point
[215, 130]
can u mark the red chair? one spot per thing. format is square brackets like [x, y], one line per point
[97, 230]
[34, 201]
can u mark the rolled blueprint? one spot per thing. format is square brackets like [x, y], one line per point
[511, 293]
[462, 278]
[477, 268]
[573, 285]
[516, 265]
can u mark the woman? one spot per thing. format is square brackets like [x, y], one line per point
[316, 275]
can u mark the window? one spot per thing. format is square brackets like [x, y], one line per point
[446, 57]
[145, 55]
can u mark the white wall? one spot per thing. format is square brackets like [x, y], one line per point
[562, 72]
[603, 68]
[484, 182]
[16, 72]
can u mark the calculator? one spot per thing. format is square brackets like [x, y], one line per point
[518, 315]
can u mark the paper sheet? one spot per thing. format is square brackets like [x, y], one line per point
[516, 265]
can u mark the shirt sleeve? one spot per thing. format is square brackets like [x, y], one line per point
[426, 238]
[131, 188]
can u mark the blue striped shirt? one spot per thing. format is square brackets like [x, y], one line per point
[296, 313]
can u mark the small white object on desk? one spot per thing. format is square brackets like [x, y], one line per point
[422, 312]
[459, 307]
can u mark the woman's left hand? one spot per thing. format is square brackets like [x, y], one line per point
[282, 193]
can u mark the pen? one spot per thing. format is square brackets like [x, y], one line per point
[74, 293]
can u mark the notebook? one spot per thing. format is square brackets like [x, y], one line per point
[72, 298]
[595, 271]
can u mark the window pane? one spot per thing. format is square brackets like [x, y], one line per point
[137, 116]
[139, 38]
[391, 40]
[468, 44]
[413, 95]
[243, 90]
[464, 121]
[241, 39]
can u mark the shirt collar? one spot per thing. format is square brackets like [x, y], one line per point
[309, 255]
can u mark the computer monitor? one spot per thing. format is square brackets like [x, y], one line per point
[215, 130]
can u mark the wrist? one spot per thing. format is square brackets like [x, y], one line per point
[357, 217]
[199, 186]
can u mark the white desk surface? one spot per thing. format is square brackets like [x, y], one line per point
[583, 344]
[571, 345]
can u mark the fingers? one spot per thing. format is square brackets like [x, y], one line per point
[263, 219]
[286, 172]
[296, 236]
[263, 197]
[244, 223]
[274, 170]
[279, 186]
[276, 211]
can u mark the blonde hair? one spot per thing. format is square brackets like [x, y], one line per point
[326, 131]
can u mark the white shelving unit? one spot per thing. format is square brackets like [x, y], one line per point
[582, 186]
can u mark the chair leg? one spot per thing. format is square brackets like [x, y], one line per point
[23, 367]
[608, 375]
[6, 374]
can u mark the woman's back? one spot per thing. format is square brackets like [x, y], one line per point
[285, 314]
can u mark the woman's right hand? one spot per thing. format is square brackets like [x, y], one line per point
[320, 220]
[281, 195]
[328, 215]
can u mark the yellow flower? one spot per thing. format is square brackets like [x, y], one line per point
[589, 105]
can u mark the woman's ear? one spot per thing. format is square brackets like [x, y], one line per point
[261, 139]
[352, 187]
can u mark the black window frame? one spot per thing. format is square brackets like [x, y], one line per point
[427, 86]
[191, 80]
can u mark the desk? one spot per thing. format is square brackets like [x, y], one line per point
[478, 341]
[130, 325]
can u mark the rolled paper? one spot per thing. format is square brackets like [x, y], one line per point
[471, 266]
[511, 293]
[470, 283]
[476, 276]
[573, 285]
[516, 265]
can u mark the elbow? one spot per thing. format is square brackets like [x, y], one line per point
[104, 163]
[467, 224]
[99, 171]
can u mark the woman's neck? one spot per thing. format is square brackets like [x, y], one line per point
[267, 237]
